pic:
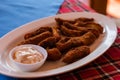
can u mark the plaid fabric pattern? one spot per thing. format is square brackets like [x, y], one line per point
[74, 6]
[106, 67]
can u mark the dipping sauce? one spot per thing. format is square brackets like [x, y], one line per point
[27, 55]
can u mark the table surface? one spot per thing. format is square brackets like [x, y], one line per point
[16, 13]
[106, 67]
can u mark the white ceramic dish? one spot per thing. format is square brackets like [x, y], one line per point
[31, 66]
[98, 48]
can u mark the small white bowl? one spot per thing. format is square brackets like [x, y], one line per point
[32, 66]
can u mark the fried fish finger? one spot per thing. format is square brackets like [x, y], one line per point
[36, 39]
[83, 19]
[48, 42]
[63, 44]
[95, 26]
[60, 21]
[36, 32]
[70, 32]
[87, 39]
[54, 54]
[74, 27]
[76, 54]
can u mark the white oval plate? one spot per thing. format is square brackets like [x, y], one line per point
[98, 48]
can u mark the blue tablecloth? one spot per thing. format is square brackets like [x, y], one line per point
[14, 13]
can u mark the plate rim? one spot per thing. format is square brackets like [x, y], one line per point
[67, 68]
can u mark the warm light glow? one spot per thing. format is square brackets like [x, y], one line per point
[113, 8]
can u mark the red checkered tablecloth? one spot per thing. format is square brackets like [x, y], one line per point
[106, 67]
[74, 6]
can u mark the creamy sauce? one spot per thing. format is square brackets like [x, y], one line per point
[27, 55]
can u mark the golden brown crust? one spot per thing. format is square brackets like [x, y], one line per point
[48, 42]
[75, 54]
[36, 39]
[36, 32]
[87, 39]
[54, 54]
[56, 33]
[83, 19]
[74, 27]
[61, 21]
[64, 46]
[94, 26]
[70, 32]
